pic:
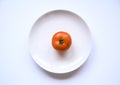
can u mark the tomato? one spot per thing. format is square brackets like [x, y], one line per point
[61, 41]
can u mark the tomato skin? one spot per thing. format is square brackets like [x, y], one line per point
[61, 41]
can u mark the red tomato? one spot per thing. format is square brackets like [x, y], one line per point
[61, 41]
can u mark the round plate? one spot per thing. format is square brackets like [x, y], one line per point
[41, 37]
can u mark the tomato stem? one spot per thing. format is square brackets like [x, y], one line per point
[61, 41]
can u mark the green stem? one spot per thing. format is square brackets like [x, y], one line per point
[61, 41]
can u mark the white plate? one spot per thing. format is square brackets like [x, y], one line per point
[40, 41]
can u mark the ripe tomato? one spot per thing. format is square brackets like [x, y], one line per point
[61, 41]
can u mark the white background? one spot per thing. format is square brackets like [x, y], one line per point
[17, 66]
